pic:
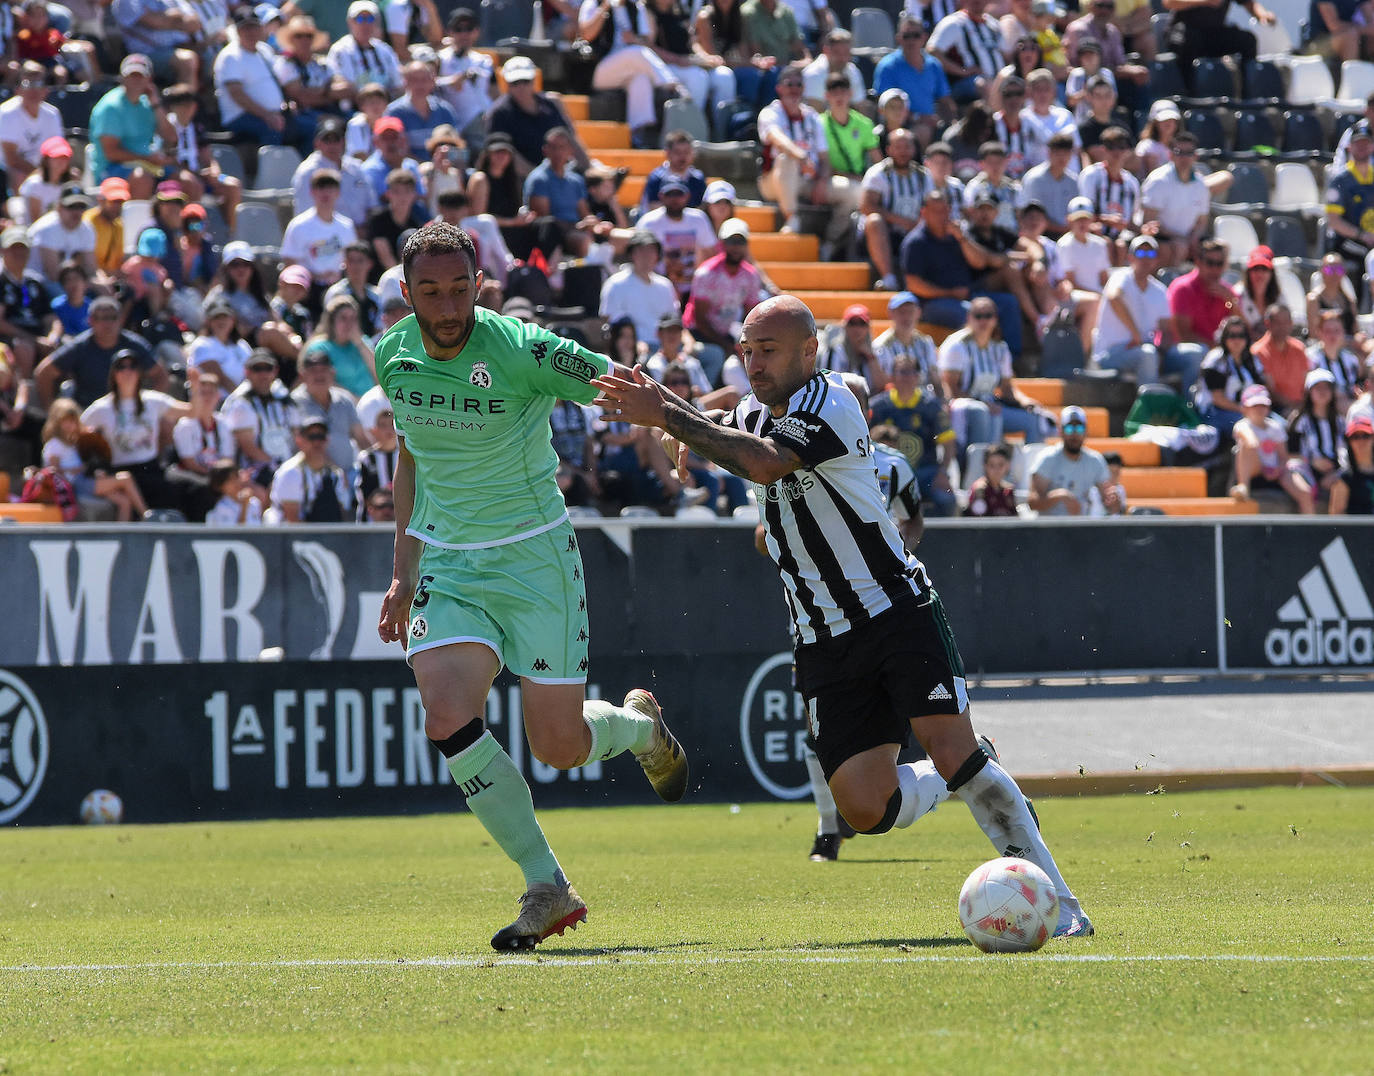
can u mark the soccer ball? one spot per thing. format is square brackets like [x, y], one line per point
[102, 807]
[1008, 906]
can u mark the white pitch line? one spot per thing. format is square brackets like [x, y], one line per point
[642, 958]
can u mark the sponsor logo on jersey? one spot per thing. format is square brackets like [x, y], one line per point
[23, 746]
[1329, 621]
[939, 693]
[419, 628]
[538, 351]
[481, 376]
[796, 429]
[438, 401]
[572, 365]
[793, 487]
[405, 366]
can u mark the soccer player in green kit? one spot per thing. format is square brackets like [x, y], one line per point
[487, 570]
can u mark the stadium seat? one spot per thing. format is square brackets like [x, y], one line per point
[1062, 353]
[1302, 135]
[257, 225]
[1248, 186]
[1263, 83]
[1291, 292]
[136, 215]
[1237, 233]
[276, 167]
[1270, 41]
[872, 28]
[228, 159]
[74, 104]
[1286, 237]
[1206, 125]
[1295, 189]
[1165, 79]
[1357, 83]
[1255, 134]
[1340, 123]
[505, 19]
[681, 114]
[1309, 81]
[1159, 26]
[1213, 82]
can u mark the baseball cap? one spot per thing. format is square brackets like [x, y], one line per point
[894, 94]
[1261, 255]
[126, 355]
[1071, 415]
[115, 189]
[246, 16]
[71, 196]
[194, 211]
[1046, 7]
[1091, 44]
[1080, 207]
[1144, 242]
[1254, 396]
[295, 274]
[642, 237]
[310, 422]
[372, 405]
[856, 312]
[56, 146]
[152, 243]
[260, 358]
[1165, 110]
[1361, 130]
[136, 64]
[169, 190]
[734, 228]
[1317, 377]
[672, 185]
[316, 355]
[388, 123]
[718, 190]
[518, 69]
[1359, 424]
[987, 149]
[330, 125]
[237, 251]
[901, 299]
[670, 321]
[267, 13]
[219, 308]
[15, 236]
[363, 7]
[985, 197]
[1033, 206]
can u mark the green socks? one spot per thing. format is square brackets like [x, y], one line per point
[615, 729]
[498, 795]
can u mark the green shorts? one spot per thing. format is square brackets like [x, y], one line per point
[526, 600]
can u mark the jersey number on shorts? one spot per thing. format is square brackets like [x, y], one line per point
[421, 594]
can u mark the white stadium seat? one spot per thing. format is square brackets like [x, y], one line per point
[1357, 83]
[1295, 190]
[1238, 234]
[1310, 82]
[136, 215]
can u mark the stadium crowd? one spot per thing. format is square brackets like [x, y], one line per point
[1023, 182]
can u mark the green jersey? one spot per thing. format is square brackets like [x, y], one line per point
[478, 427]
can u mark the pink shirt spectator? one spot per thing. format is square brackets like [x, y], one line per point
[1189, 297]
[1106, 35]
[731, 294]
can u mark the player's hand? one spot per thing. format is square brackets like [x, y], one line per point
[677, 452]
[639, 400]
[394, 621]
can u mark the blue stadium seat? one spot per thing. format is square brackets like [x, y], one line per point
[1212, 81]
[1165, 78]
[1211, 135]
[1263, 83]
[1249, 187]
[1254, 130]
[276, 168]
[1286, 237]
[1302, 135]
[1340, 123]
[258, 225]
[504, 19]
[228, 159]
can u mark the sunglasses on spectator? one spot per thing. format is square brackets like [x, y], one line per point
[1184, 151]
[1147, 252]
[121, 367]
[911, 35]
[1333, 270]
[984, 315]
[316, 435]
[1236, 336]
[1073, 427]
[104, 316]
[365, 17]
[1359, 436]
[1214, 263]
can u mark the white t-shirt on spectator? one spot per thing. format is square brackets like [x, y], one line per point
[64, 457]
[317, 244]
[207, 447]
[1085, 263]
[469, 98]
[230, 356]
[253, 70]
[295, 482]
[376, 63]
[270, 420]
[625, 295]
[1148, 306]
[133, 437]
[226, 513]
[1179, 204]
[981, 369]
[27, 132]
[818, 70]
[681, 237]
[1272, 438]
[47, 233]
[1042, 128]
[807, 130]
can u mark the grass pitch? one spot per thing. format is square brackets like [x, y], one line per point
[1235, 933]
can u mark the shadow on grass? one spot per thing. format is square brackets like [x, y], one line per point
[904, 943]
[620, 950]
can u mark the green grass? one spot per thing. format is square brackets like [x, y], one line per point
[713, 945]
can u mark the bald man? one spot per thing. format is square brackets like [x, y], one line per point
[875, 656]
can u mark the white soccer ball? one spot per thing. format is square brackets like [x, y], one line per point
[1008, 906]
[102, 808]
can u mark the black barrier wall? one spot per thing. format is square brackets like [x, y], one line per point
[130, 658]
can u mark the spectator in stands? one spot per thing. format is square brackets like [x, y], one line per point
[1283, 356]
[61, 432]
[1258, 289]
[725, 287]
[1341, 157]
[317, 237]
[1065, 477]
[61, 235]
[676, 346]
[893, 113]
[968, 44]
[993, 182]
[444, 169]
[420, 110]
[1331, 290]
[107, 220]
[1353, 495]
[1015, 24]
[1349, 218]
[42, 187]
[685, 235]
[306, 83]
[311, 487]
[164, 32]
[965, 136]
[204, 437]
[847, 348]
[1200, 29]
[400, 212]
[340, 338]
[1228, 370]
[796, 162]
[1044, 291]
[1025, 58]
[370, 103]
[991, 494]
[251, 102]
[1315, 433]
[1103, 116]
[1113, 192]
[975, 367]
[620, 36]
[1087, 263]
[1044, 17]
[288, 304]
[939, 166]
[557, 196]
[357, 197]
[771, 31]
[853, 148]
[920, 76]
[1076, 87]
[167, 206]
[1200, 300]
[1178, 198]
[242, 288]
[636, 293]
[27, 121]
[199, 257]
[836, 58]
[261, 414]
[136, 423]
[1156, 139]
[1262, 457]
[526, 117]
[1053, 184]
[125, 126]
[219, 352]
[939, 261]
[904, 338]
[392, 152]
[85, 360]
[1102, 25]
[467, 78]
[375, 469]
[356, 285]
[494, 190]
[1341, 29]
[679, 155]
[924, 434]
[892, 192]
[238, 503]
[196, 169]
[706, 77]
[362, 56]
[1043, 119]
[1329, 352]
[317, 396]
[73, 307]
[1133, 319]
[1364, 402]
[1010, 129]
[26, 319]
[1004, 265]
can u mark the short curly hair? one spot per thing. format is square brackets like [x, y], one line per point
[438, 237]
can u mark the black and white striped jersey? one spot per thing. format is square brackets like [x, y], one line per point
[826, 525]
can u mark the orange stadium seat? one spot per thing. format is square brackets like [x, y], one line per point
[31, 513]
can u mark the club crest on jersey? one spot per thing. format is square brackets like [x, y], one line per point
[419, 628]
[481, 377]
[573, 366]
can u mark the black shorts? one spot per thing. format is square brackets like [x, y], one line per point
[863, 688]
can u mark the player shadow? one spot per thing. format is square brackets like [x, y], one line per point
[904, 943]
[620, 950]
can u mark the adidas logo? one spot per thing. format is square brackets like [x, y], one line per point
[939, 694]
[1329, 597]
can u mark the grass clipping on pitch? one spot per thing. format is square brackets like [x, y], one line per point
[1235, 932]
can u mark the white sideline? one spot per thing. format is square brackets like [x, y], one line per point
[646, 958]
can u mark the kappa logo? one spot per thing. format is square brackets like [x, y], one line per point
[582, 635]
[481, 376]
[419, 628]
[538, 351]
[540, 665]
[572, 365]
[1329, 598]
[23, 746]
[405, 366]
[939, 693]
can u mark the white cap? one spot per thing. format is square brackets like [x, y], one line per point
[718, 190]
[893, 94]
[372, 404]
[1144, 242]
[1080, 207]
[1165, 110]
[732, 228]
[362, 7]
[1316, 377]
[235, 251]
[518, 69]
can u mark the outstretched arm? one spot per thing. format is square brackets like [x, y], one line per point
[644, 402]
